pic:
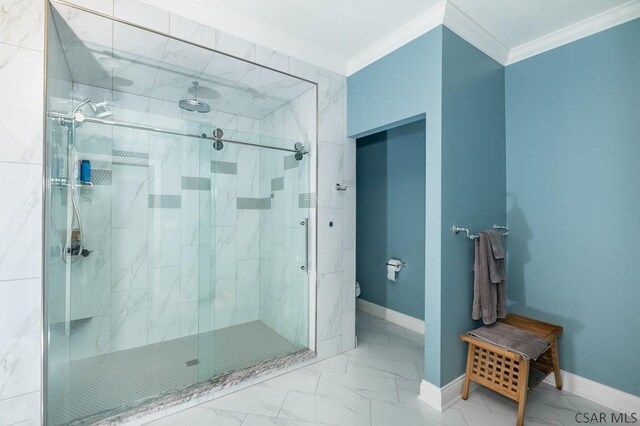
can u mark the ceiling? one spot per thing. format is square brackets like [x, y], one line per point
[346, 35]
[116, 56]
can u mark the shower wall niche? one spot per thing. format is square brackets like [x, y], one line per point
[190, 251]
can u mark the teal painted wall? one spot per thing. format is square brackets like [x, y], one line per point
[402, 87]
[460, 91]
[573, 181]
[572, 155]
[396, 89]
[390, 216]
[473, 180]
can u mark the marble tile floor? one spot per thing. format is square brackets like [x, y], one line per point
[375, 384]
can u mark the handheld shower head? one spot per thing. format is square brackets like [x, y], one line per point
[100, 110]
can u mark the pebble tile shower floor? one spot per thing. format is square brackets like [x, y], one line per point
[109, 382]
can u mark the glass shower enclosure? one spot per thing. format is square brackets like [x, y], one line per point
[180, 216]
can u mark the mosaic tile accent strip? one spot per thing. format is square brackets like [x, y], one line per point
[254, 203]
[101, 177]
[130, 158]
[161, 201]
[224, 167]
[307, 200]
[196, 183]
[277, 184]
[290, 162]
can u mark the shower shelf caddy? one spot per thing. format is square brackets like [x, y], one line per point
[63, 183]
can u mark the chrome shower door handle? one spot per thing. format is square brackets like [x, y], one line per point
[305, 267]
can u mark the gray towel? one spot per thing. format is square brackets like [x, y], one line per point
[489, 283]
[496, 244]
[513, 339]
[496, 267]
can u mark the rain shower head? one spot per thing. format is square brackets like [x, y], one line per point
[194, 104]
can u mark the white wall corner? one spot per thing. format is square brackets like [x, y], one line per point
[461, 24]
[444, 397]
[597, 392]
[398, 318]
[600, 22]
[420, 25]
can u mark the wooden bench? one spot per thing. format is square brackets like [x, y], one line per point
[508, 373]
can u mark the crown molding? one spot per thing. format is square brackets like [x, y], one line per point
[600, 22]
[444, 13]
[398, 38]
[461, 24]
[204, 14]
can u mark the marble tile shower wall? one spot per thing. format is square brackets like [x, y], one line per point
[21, 63]
[159, 249]
[21, 80]
[284, 286]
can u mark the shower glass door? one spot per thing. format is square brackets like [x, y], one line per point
[259, 251]
[176, 259]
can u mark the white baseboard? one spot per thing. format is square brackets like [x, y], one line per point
[444, 397]
[597, 392]
[403, 320]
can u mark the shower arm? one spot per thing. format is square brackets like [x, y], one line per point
[80, 105]
[66, 119]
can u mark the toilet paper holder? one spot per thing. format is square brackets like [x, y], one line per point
[404, 264]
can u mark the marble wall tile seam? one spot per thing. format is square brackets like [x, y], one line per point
[38, 277]
[22, 47]
[30, 163]
[19, 396]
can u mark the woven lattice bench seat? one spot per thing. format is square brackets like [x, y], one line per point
[509, 373]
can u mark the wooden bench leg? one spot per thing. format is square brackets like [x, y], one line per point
[523, 384]
[467, 375]
[556, 363]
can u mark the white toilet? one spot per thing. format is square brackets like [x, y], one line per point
[357, 289]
